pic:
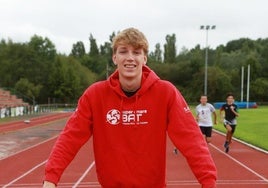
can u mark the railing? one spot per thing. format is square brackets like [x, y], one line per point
[30, 109]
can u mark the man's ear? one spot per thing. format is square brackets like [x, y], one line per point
[145, 60]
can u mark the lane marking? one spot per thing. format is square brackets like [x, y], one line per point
[83, 176]
[238, 162]
[25, 174]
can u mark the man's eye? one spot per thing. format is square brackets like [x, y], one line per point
[137, 52]
[122, 51]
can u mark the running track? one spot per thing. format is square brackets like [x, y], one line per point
[22, 164]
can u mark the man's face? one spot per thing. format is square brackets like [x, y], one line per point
[129, 61]
[203, 100]
[230, 99]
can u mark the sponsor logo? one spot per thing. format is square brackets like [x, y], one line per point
[113, 117]
[129, 117]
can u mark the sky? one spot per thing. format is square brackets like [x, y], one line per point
[66, 22]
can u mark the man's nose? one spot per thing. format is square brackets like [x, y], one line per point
[130, 56]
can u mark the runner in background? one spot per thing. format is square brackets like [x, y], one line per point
[204, 112]
[228, 114]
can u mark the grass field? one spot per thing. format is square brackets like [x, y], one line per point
[252, 126]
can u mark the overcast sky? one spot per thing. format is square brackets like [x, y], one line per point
[66, 22]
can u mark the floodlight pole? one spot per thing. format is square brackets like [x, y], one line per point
[207, 27]
[248, 84]
[242, 83]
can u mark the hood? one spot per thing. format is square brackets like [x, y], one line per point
[148, 79]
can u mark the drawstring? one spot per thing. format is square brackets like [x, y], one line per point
[121, 110]
[135, 109]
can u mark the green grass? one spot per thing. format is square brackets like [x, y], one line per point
[252, 126]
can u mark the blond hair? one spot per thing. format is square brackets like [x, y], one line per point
[130, 36]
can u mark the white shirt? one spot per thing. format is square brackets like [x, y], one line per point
[204, 113]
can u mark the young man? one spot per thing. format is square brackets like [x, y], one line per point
[129, 129]
[228, 114]
[204, 113]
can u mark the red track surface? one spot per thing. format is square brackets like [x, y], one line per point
[243, 167]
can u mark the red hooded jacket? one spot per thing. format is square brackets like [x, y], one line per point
[130, 133]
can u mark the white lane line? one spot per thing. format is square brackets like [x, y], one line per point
[241, 164]
[83, 176]
[25, 174]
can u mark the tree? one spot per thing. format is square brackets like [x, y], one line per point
[93, 60]
[219, 83]
[68, 79]
[43, 47]
[106, 58]
[93, 49]
[11, 70]
[236, 45]
[156, 56]
[78, 50]
[259, 90]
[41, 55]
[170, 49]
[27, 90]
[36, 69]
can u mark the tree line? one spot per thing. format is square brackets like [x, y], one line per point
[36, 72]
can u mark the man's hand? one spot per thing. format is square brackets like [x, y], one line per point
[48, 184]
[232, 108]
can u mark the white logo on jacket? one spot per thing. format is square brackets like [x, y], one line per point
[113, 117]
[187, 109]
[129, 117]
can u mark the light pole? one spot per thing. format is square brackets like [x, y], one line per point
[206, 27]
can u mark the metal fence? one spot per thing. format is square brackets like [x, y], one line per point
[36, 109]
